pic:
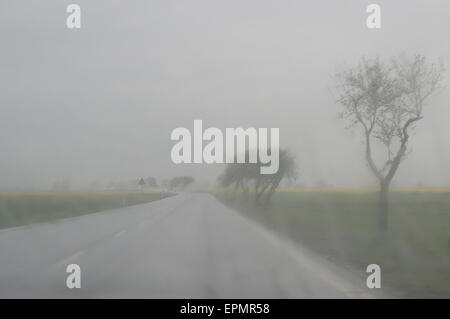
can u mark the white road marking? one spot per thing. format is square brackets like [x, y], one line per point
[66, 261]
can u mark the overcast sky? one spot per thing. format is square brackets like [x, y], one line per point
[98, 104]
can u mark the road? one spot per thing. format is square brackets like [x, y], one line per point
[186, 246]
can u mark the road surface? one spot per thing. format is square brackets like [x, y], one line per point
[186, 246]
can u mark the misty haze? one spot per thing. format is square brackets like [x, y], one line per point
[88, 175]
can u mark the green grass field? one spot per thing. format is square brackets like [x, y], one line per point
[415, 257]
[27, 208]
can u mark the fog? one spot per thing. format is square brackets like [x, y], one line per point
[98, 104]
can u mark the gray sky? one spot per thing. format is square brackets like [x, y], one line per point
[99, 104]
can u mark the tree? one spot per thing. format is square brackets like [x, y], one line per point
[386, 100]
[151, 182]
[181, 182]
[241, 175]
[288, 169]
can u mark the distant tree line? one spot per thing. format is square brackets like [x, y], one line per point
[177, 182]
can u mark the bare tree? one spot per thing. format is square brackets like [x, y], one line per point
[386, 100]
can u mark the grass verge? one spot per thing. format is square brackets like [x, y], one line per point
[18, 209]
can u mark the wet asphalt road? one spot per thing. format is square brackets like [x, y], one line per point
[186, 246]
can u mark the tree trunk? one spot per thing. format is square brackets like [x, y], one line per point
[274, 186]
[259, 194]
[383, 209]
